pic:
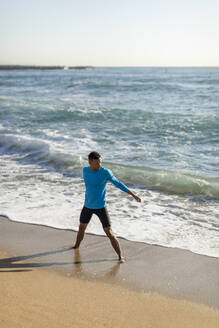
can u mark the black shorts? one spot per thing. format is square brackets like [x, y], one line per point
[102, 214]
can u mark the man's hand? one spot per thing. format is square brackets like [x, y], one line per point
[138, 199]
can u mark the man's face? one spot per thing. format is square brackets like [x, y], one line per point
[95, 164]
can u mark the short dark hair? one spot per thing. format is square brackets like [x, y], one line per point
[94, 155]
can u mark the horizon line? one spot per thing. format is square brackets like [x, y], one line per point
[104, 66]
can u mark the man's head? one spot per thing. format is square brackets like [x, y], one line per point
[95, 160]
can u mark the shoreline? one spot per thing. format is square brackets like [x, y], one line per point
[2, 216]
[170, 272]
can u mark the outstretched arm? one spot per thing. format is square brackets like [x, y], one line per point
[121, 186]
[138, 199]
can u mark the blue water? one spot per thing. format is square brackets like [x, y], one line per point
[156, 128]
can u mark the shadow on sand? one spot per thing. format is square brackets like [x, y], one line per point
[14, 264]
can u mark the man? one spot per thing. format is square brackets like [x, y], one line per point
[96, 178]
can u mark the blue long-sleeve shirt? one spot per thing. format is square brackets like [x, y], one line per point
[95, 183]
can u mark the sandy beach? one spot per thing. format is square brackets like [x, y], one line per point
[46, 283]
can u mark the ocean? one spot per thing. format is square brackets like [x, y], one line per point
[156, 128]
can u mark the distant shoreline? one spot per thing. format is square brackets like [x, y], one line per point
[24, 67]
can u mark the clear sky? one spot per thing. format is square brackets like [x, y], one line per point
[110, 32]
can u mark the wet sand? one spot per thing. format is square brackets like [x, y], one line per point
[45, 282]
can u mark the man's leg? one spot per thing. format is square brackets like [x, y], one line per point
[115, 243]
[80, 235]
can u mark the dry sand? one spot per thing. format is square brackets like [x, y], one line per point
[44, 283]
[41, 298]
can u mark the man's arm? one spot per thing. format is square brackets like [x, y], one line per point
[122, 186]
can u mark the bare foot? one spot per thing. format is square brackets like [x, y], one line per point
[121, 259]
[75, 247]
